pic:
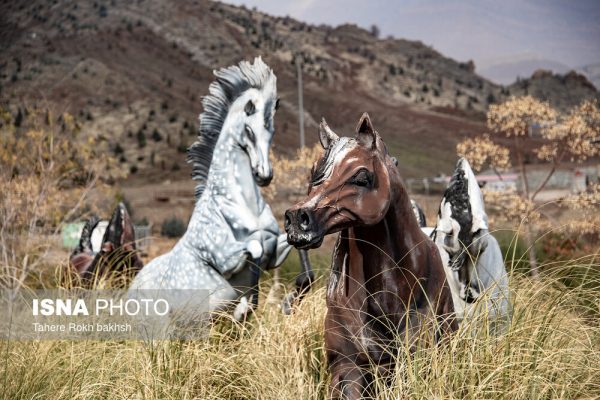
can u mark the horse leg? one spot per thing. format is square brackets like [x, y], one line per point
[303, 283]
[272, 296]
[281, 252]
[306, 277]
[245, 284]
[249, 301]
[242, 309]
[303, 280]
[347, 381]
[225, 294]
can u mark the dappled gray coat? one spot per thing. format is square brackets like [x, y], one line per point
[232, 234]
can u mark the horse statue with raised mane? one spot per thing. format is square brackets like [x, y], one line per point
[471, 255]
[232, 234]
[387, 280]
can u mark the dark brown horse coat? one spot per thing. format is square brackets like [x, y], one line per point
[387, 277]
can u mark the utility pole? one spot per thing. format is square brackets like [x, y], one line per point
[300, 100]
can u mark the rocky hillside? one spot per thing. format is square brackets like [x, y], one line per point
[592, 72]
[134, 73]
[506, 72]
[563, 91]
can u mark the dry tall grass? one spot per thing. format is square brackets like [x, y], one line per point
[552, 350]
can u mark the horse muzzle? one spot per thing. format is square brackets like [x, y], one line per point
[262, 180]
[302, 230]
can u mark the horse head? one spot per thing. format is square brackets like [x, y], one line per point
[349, 186]
[461, 219]
[252, 119]
[240, 107]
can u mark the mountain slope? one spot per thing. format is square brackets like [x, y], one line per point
[134, 73]
[563, 91]
[506, 72]
[592, 72]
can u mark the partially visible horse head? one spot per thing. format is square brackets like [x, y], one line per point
[240, 107]
[349, 186]
[461, 218]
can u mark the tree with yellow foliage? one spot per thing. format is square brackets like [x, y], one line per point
[291, 174]
[47, 171]
[571, 137]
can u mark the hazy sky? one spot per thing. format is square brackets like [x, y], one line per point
[487, 31]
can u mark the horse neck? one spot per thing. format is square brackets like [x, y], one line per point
[390, 241]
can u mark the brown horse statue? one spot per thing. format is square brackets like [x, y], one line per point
[117, 252]
[387, 279]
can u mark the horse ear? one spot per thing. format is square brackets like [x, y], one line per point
[326, 135]
[365, 133]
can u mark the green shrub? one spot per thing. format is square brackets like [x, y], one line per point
[172, 227]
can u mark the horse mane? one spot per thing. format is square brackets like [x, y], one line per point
[457, 194]
[230, 83]
[325, 163]
[419, 214]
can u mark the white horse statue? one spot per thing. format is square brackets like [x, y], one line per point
[471, 255]
[232, 234]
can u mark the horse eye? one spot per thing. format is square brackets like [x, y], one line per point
[448, 241]
[362, 178]
[277, 104]
[250, 108]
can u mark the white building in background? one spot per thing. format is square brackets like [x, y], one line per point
[562, 182]
[574, 180]
[489, 180]
[493, 182]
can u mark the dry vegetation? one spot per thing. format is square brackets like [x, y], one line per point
[292, 172]
[47, 173]
[538, 131]
[136, 72]
[551, 349]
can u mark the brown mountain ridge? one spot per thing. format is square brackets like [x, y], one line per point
[134, 73]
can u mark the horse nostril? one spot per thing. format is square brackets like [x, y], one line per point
[304, 220]
[287, 221]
